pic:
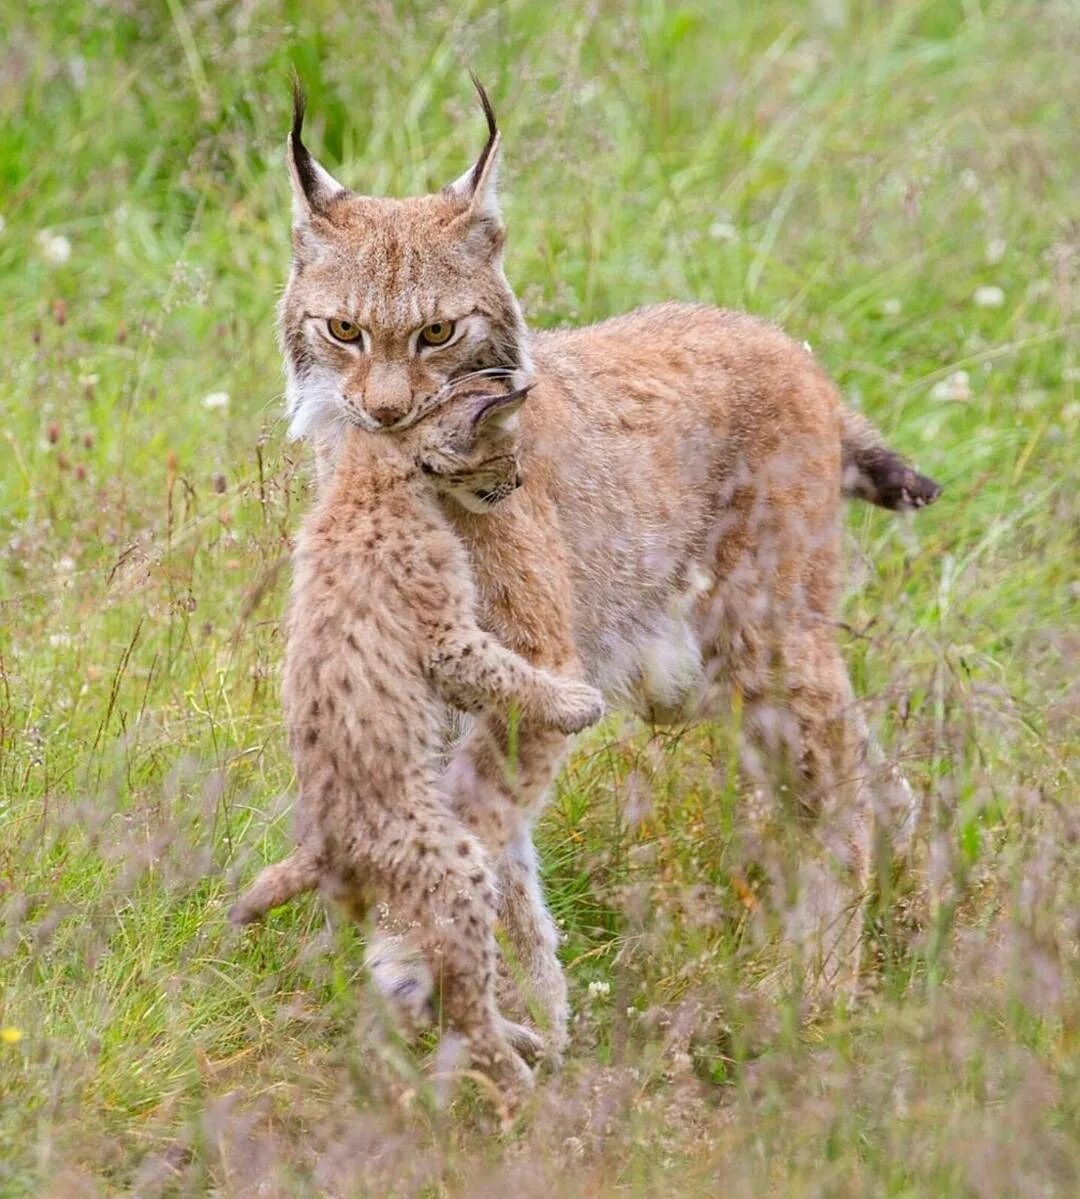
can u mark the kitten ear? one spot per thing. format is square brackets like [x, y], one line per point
[497, 412]
[313, 186]
[476, 190]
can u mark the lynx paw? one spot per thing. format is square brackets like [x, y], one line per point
[527, 1044]
[578, 705]
[403, 979]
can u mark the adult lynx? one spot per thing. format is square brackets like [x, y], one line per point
[677, 539]
[381, 635]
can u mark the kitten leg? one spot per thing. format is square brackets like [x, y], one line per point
[400, 973]
[277, 884]
[474, 673]
[436, 890]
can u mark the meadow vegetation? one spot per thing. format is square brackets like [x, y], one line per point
[895, 183]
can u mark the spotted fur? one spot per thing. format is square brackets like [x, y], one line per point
[382, 635]
[677, 537]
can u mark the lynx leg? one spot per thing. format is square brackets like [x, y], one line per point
[534, 939]
[400, 973]
[897, 808]
[832, 794]
[497, 799]
[437, 888]
[805, 741]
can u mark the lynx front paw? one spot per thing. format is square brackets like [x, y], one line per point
[576, 707]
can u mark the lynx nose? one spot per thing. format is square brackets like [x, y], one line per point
[386, 416]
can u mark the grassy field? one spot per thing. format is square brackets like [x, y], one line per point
[895, 183]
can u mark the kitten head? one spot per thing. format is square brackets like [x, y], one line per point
[468, 448]
[389, 301]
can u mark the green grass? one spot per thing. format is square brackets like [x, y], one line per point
[856, 170]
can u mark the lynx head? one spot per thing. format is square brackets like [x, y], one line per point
[389, 301]
[468, 447]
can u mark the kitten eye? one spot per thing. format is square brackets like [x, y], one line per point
[343, 330]
[438, 333]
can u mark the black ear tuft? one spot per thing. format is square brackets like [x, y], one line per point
[493, 132]
[306, 171]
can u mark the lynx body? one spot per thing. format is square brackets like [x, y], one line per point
[676, 540]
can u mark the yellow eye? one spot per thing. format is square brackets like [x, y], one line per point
[343, 330]
[438, 333]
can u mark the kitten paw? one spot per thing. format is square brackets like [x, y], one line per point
[578, 706]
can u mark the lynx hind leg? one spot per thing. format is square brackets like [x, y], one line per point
[399, 971]
[809, 722]
[275, 885]
[436, 894]
[897, 808]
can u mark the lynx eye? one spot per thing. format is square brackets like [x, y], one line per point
[438, 333]
[343, 330]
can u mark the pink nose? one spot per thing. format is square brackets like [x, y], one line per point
[386, 416]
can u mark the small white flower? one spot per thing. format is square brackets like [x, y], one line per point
[995, 250]
[969, 181]
[957, 387]
[808, 348]
[723, 231]
[989, 297]
[54, 247]
[599, 990]
[216, 400]
[891, 306]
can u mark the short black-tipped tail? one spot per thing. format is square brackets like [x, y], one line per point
[877, 474]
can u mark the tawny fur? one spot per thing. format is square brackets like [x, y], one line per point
[677, 538]
[382, 635]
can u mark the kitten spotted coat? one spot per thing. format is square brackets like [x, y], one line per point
[382, 635]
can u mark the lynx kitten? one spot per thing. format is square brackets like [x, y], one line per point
[381, 636]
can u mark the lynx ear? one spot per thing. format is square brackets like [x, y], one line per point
[475, 190]
[313, 186]
[497, 412]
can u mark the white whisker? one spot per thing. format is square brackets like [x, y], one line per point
[447, 390]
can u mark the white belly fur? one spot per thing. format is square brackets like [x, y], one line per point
[658, 673]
